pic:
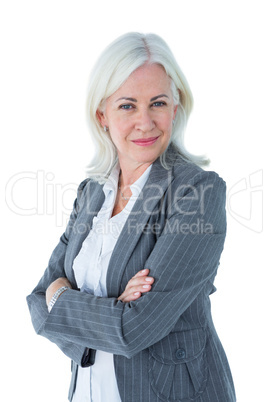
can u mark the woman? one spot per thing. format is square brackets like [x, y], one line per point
[126, 291]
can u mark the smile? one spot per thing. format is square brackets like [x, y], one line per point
[144, 142]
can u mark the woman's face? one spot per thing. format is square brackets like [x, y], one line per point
[139, 116]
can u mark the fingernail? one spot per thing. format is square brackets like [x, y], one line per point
[136, 294]
[146, 286]
[144, 270]
[148, 279]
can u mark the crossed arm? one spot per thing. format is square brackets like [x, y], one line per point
[106, 324]
[140, 283]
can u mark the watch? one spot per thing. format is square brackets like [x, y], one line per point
[56, 296]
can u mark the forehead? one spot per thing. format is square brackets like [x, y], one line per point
[146, 80]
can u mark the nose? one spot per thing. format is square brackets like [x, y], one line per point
[144, 121]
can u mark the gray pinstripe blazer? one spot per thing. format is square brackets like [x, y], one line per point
[165, 345]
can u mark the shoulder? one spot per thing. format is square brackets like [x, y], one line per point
[86, 189]
[186, 171]
[201, 194]
[190, 173]
[87, 184]
[82, 185]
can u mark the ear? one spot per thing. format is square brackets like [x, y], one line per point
[101, 117]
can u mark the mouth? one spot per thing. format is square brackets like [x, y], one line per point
[144, 142]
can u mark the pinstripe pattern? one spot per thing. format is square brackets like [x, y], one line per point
[165, 346]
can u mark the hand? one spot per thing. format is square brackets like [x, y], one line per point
[140, 283]
[54, 286]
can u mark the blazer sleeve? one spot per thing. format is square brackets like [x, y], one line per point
[182, 262]
[37, 302]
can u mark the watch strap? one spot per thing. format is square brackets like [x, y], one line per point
[56, 296]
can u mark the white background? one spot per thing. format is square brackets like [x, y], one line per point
[47, 50]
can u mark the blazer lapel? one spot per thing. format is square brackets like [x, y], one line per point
[152, 192]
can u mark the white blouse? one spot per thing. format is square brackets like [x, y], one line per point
[98, 382]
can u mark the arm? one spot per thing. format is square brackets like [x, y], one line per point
[140, 283]
[37, 299]
[182, 262]
[55, 277]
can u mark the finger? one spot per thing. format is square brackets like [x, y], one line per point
[135, 283]
[143, 272]
[131, 297]
[138, 281]
[134, 292]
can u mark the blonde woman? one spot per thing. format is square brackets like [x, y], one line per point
[126, 292]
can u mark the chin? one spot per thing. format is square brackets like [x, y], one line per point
[150, 155]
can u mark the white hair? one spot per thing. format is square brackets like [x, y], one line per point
[121, 58]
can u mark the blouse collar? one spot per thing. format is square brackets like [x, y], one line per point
[136, 187]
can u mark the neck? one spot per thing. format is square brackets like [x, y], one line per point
[129, 176]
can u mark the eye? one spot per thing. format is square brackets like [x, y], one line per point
[126, 106]
[159, 103]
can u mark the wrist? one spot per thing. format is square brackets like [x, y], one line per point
[55, 297]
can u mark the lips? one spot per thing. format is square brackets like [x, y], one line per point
[144, 142]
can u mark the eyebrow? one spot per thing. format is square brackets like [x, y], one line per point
[135, 100]
[158, 96]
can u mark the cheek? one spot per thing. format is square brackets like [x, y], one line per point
[165, 123]
[120, 128]
[118, 134]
